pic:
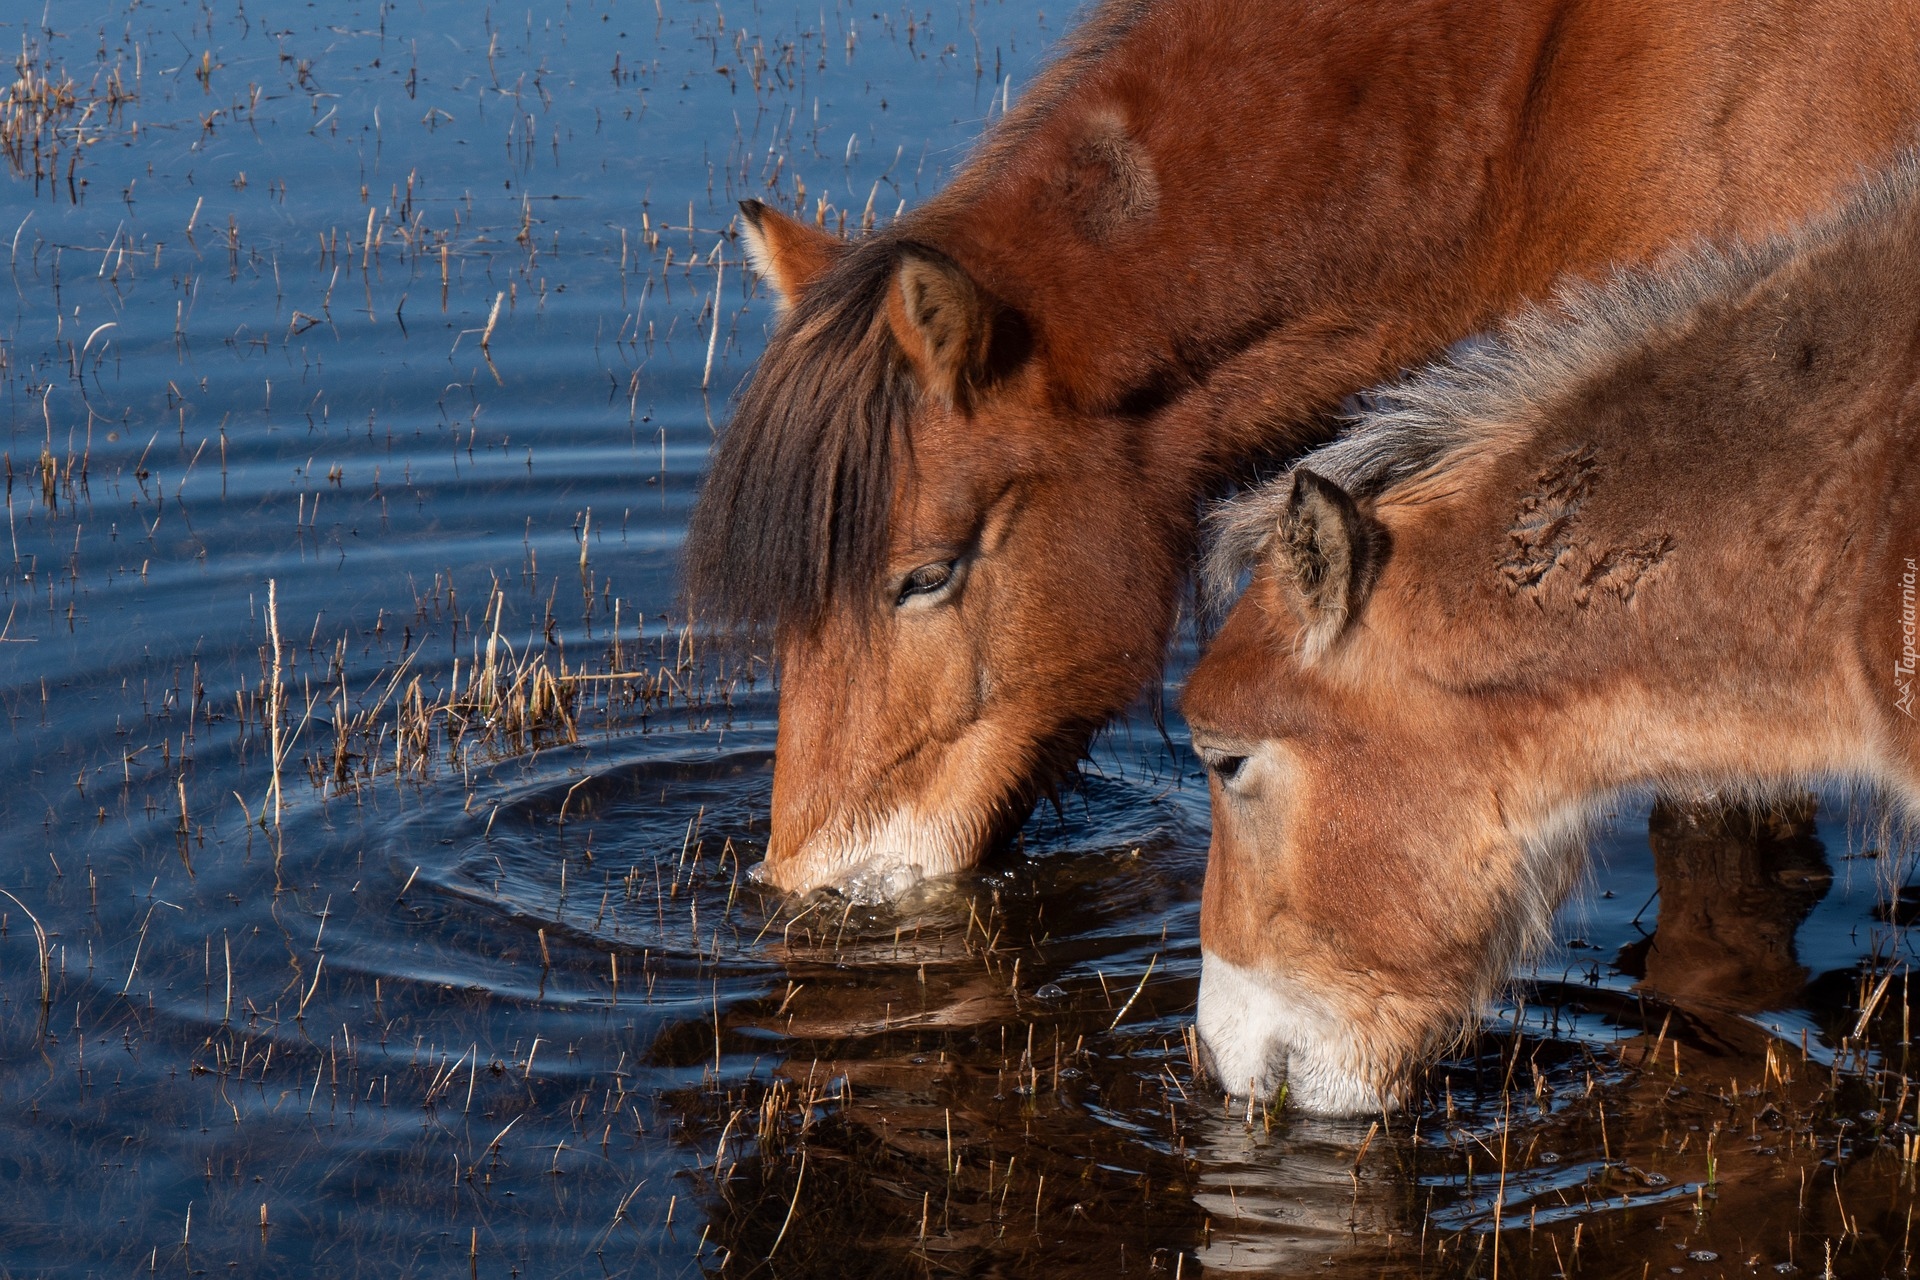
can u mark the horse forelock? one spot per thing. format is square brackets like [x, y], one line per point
[1499, 387]
[1236, 533]
[795, 510]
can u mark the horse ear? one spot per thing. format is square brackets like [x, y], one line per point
[1327, 554]
[944, 321]
[789, 253]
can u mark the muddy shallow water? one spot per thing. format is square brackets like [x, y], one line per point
[359, 365]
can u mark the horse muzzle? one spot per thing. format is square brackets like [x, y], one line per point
[1264, 1038]
[882, 859]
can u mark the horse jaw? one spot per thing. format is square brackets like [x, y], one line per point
[1261, 1035]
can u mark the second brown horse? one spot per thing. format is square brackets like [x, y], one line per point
[960, 489]
[1665, 534]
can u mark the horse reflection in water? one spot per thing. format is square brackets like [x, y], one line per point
[926, 1060]
[1284, 1206]
[1735, 885]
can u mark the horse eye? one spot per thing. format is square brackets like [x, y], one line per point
[1226, 768]
[928, 579]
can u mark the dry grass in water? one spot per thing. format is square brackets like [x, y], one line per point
[38, 116]
[499, 702]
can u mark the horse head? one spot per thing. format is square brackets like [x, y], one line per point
[1365, 893]
[956, 596]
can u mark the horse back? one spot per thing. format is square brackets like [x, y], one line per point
[1727, 493]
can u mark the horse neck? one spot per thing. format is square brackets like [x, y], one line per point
[1338, 192]
[1266, 245]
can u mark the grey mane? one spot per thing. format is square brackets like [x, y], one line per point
[1413, 429]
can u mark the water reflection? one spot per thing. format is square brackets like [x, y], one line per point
[992, 1076]
[1639, 1116]
[1735, 886]
[1318, 1192]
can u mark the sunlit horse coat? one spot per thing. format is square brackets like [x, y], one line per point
[960, 488]
[1665, 534]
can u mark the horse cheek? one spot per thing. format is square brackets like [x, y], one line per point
[1225, 898]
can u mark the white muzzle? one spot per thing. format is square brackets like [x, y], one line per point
[1260, 1034]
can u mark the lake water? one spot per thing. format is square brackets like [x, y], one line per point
[360, 365]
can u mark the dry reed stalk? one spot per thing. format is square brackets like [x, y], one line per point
[46, 956]
[493, 318]
[1136, 994]
[713, 338]
[798, 1183]
[276, 698]
[301, 1012]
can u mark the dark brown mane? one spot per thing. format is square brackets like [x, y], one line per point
[795, 508]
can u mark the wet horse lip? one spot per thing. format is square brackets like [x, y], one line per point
[1237, 1045]
[1210, 1068]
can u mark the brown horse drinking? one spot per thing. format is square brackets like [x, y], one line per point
[1667, 535]
[960, 490]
